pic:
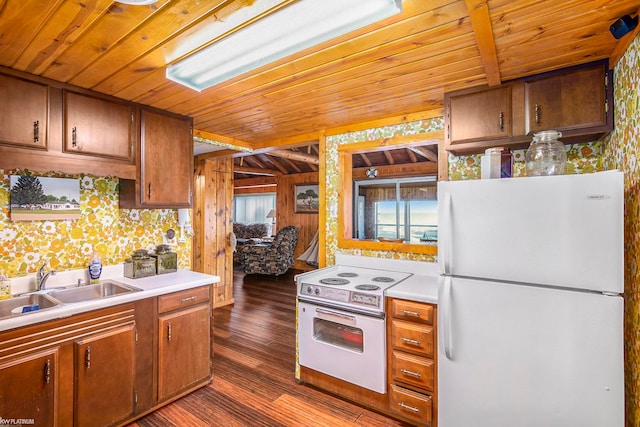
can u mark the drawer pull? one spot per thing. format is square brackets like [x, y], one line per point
[501, 121]
[74, 137]
[410, 341]
[36, 131]
[47, 371]
[408, 407]
[411, 313]
[169, 331]
[537, 114]
[188, 299]
[87, 357]
[411, 373]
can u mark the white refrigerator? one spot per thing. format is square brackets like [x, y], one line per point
[530, 305]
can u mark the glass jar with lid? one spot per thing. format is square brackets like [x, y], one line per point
[546, 155]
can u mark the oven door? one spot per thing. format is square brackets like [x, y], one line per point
[343, 344]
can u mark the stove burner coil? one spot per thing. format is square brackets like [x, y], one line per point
[383, 279]
[367, 287]
[334, 281]
[347, 274]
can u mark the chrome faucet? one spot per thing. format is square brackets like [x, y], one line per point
[41, 276]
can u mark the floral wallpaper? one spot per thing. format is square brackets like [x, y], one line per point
[581, 158]
[114, 233]
[332, 183]
[622, 151]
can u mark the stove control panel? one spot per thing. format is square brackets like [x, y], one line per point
[341, 295]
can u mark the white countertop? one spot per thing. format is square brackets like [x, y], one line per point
[149, 287]
[420, 288]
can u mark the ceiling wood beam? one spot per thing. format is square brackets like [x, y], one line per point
[425, 152]
[293, 165]
[389, 157]
[412, 156]
[365, 159]
[221, 138]
[301, 157]
[392, 171]
[277, 164]
[254, 182]
[481, 22]
[256, 171]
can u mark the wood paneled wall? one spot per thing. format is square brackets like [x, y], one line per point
[285, 212]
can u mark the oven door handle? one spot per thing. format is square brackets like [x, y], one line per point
[331, 315]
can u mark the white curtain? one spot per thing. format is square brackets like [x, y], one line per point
[310, 256]
[252, 208]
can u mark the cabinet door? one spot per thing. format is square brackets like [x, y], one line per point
[98, 127]
[24, 118]
[166, 160]
[479, 116]
[28, 383]
[183, 349]
[104, 377]
[568, 101]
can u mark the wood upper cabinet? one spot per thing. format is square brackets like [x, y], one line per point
[476, 116]
[104, 367]
[577, 102]
[25, 113]
[566, 102]
[183, 340]
[30, 382]
[98, 127]
[166, 163]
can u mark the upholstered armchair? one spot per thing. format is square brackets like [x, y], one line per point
[275, 258]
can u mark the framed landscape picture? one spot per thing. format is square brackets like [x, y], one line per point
[306, 198]
[35, 198]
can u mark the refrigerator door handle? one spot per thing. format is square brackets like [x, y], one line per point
[444, 316]
[447, 242]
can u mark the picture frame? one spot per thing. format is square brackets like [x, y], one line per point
[307, 199]
[35, 198]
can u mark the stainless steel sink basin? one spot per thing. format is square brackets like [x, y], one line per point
[14, 306]
[89, 292]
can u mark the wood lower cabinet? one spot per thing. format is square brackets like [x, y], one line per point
[104, 365]
[28, 382]
[183, 340]
[25, 113]
[107, 367]
[412, 361]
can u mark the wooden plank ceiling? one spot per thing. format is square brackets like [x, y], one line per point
[399, 67]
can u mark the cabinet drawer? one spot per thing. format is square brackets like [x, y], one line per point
[183, 299]
[412, 311]
[411, 405]
[415, 370]
[412, 337]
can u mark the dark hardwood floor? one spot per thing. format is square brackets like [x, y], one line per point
[254, 363]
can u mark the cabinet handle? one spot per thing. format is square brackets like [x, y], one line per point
[169, 331]
[87, 357]
[149, 191]
[188, 299]
[411, 373]
[407, 407]
[411, 313]
[36, 131]
[74, 137]
[537, 112]
[410, 341]
[501, 120]
[47, 371]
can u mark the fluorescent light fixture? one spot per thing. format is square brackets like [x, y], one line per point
[296, 27]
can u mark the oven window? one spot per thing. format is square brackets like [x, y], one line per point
[343, 336]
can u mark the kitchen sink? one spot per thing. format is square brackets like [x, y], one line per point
[89, 292]
[15, 306]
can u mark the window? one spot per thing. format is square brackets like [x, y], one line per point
[403, 208]
[250, 208]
